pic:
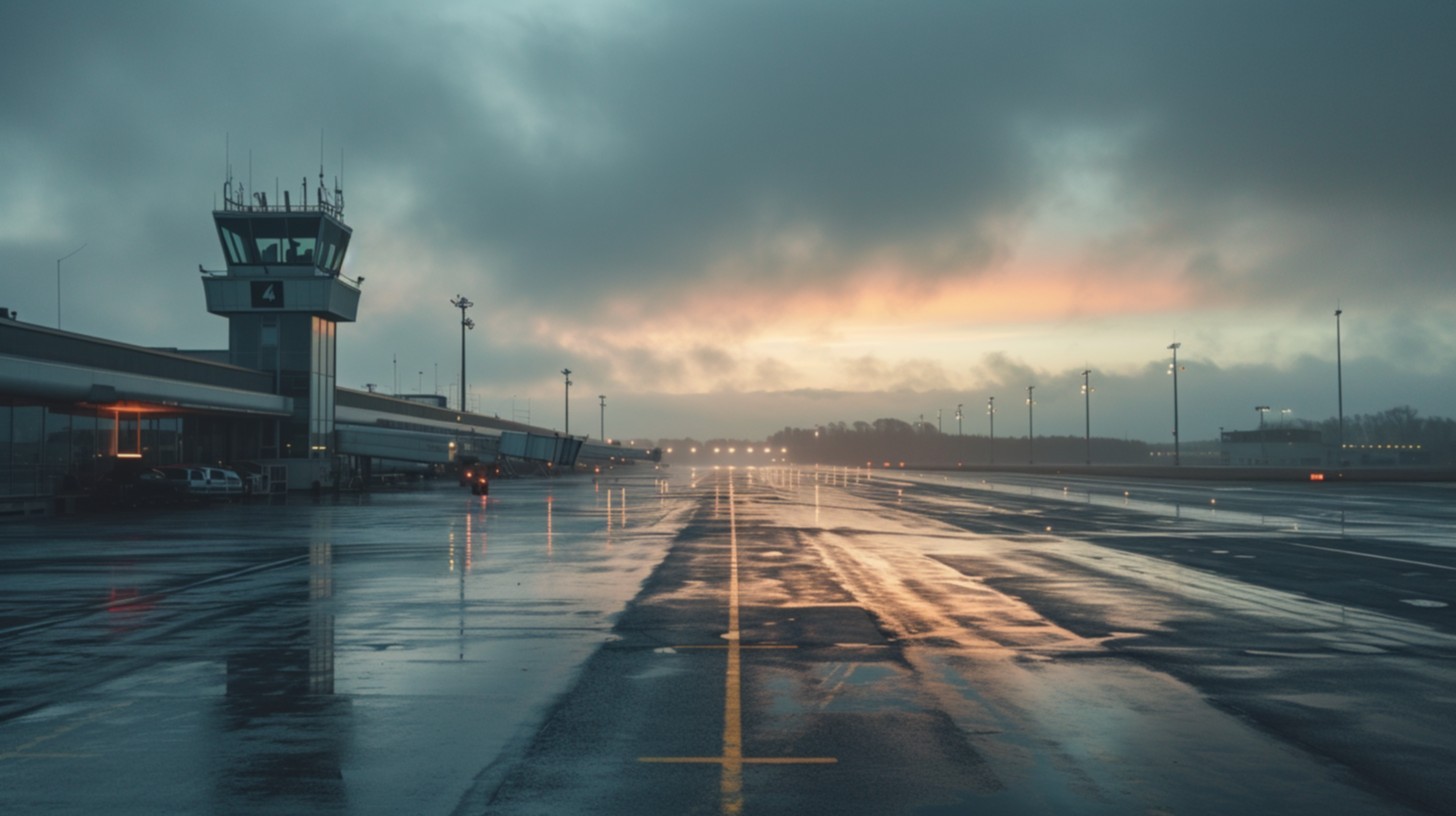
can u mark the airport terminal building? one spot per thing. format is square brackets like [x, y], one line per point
[77, 411]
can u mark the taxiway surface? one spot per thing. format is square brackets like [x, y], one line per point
[741, 641]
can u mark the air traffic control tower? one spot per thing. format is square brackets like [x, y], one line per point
[284, 295]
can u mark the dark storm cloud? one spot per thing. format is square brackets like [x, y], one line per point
[727, 128]
[697, 134]
[644, 148]
[639, 153]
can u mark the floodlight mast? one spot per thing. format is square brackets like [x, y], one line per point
[1339, 389]
[1087, 409]
[462, 303]
[1173, 369]
[566, 372]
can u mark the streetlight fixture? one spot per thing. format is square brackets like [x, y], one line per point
[462, 303]
[566, 372]
[58, 280]
[1087, 406]
[959, 405]
[991, 412]
[603, 398]
[1030, 427]
[1173, 369]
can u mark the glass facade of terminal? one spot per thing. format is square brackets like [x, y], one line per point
[45, 451]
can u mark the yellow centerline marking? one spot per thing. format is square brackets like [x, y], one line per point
[732, 761]
[24, 752]
[731, 784]
[717, 760]
[743, 646]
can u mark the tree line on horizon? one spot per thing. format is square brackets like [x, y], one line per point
[893, 441]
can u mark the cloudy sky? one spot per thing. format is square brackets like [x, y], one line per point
[732, 217]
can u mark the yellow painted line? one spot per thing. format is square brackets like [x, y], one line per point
[742, 646]
[732, 760]
[743, 760]
[731, 783]
[24, 752]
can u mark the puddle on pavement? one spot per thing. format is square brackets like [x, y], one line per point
[1292, 655]
[841, 687]
[1356, 648]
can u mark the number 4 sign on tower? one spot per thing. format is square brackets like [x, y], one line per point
[268, 294]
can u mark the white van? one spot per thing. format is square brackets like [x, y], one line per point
[203, 480]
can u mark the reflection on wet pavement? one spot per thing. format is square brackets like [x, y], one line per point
[772, 640]
[364, 656]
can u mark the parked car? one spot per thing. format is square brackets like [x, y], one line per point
[134, 487]
[203, 481]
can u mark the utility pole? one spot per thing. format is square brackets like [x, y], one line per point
[603, 398]
[58, 280]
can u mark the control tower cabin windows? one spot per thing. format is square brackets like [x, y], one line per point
[280, 239]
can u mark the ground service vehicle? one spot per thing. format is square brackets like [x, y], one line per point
[478, 477]
[203, 481]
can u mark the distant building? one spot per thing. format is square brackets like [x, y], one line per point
[1386, 455]
[1274, 447]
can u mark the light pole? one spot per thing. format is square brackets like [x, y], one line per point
[1087, 406]
[603, 398]
[58, 280]
[566, 372]
[1030, 427]
[1339, 391]
[939, 415]
[1263, 454]
[462, 303]
[991, 412]
[1173, 369]
[959, 405]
